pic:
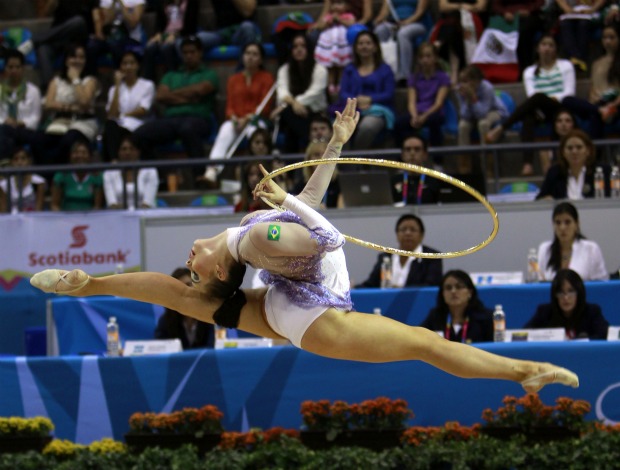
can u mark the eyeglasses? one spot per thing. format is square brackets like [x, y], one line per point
[451, 287]
[413, 149]
[569, 294]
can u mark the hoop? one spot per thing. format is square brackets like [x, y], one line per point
[407, 167]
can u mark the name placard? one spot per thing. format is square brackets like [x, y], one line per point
[541, 334]
[232, 343]
[152, 346]
[497, 278]
[613, 333]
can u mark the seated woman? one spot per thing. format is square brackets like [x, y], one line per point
[172, 324]
[572, 177]
[563, 123]
[570, 249]
[77, 190]
[114, 181]
[459, 314]
[27, 190]
[568, 309]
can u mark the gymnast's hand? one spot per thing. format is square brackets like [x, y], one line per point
[269, 190]
[345, 123]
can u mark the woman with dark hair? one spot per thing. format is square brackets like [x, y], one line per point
[563, 123]
[570, 249]
[547, 83]
[300, 94]
[568, 309]
[245, 90]
[129, 102]
[572, 177]
[71, 100]
[369, 79]
[172, 324]
[459, 313]
[250, 177]
[308, 300]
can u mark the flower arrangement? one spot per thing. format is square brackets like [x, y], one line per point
[379, 414]
[250, 440]
[196, 421]
[38, 426]
[529, 411]
[63, 448]
[452, 431]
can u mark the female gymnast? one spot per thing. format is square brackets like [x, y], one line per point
[308, 300]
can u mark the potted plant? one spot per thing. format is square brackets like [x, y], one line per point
[24, 434]
[376, 424]
[530, 417]
[199, 426]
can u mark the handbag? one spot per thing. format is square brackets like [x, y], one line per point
[58, 126]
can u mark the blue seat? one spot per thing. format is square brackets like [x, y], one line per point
[209, 200]
[509, 102]
[15, 37]
[234, 52]
[519, 187]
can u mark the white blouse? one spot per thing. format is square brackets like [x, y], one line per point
[148, 183]
[314, 97]
[140, 95]
[586, 259]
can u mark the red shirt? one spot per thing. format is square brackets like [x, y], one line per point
[243, 99]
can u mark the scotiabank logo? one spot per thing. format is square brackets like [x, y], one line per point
[79, 237]
[76, 258]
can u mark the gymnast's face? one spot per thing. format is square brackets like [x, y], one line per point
[205, 262]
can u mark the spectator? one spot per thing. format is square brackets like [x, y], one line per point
[27, 189]
[427, 90]
[479, 106]
[563, 123]
[129, 103]
[118, 27]
[546, 84]
[410, 187]
[451, 38]
[320, 128]
[250, 178]
[361, 10]
[20, 106]
[570, 249]
[115, 181]
[576, 28]
[71, 100]
[604, 97]
[371, 81]
[234, 26]
[569, 310]
[188, 95]
[77, 190]
[245, 91]
[192, 333]
[531, 23]
[333, 198]
[333, 50]
[411, 23]
[175, 19]
[407, 270]
[71, 24]
[300, 94]
[459, 313]
[573, 176]
[259, 145]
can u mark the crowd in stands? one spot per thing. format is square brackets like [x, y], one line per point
[111, 89]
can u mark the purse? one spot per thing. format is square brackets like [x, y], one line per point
[58, 126]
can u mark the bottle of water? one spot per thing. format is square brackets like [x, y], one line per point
[599, 183]
[615, 182]
[499, 324]
[532, 266]
[377, 311]
[386, 272]
[113, 337]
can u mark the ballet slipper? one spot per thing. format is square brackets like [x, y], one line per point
[559, 375]
[50, 279]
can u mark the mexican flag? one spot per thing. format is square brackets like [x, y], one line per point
[496, 53]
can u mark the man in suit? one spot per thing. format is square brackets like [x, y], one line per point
[412, 188]
[409, 271]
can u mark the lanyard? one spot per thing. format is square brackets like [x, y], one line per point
[463, 330]
[405, 186]
[420, 188]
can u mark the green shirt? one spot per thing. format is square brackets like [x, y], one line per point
[181, 78]
[78, 195]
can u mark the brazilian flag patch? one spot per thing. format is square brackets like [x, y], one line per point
[273, 233]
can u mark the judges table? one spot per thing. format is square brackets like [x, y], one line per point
[92, 397]
[77, 325]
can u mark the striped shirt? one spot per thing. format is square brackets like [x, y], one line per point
[556, 82]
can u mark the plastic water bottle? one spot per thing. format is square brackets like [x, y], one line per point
[615, 182]
[113, 337]
[599, 183]
[532, 266]
[499, 324]
[377, 311]
[386, 272]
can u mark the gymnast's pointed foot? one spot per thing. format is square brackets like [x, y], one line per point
[57, 281]
[551, 376]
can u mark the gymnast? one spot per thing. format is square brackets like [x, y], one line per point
[307, 300]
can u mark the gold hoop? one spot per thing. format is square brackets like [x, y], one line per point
[407, 167]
